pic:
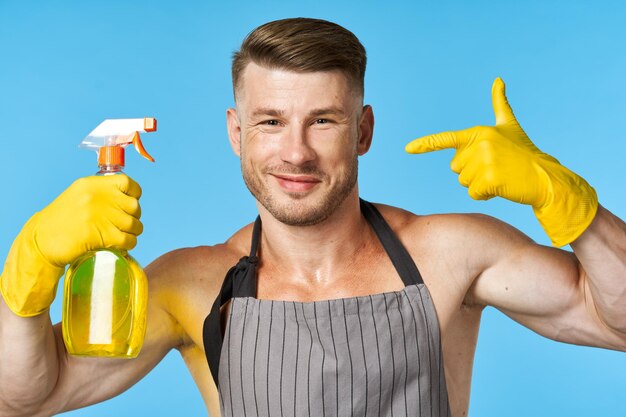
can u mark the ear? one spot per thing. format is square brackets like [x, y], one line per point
[366, 130]
[234, 131]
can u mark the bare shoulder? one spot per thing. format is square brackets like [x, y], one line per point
[449, 228]
[452, 250]
[184, 282]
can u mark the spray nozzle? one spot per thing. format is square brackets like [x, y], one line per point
[111, 136]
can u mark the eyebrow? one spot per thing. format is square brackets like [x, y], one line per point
[267, 111]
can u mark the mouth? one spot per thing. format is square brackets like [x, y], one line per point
[296, 183]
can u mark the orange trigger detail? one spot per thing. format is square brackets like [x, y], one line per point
[140, 148]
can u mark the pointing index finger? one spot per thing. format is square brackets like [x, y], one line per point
[438, 141]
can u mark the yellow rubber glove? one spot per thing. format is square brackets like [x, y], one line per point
[502, 161]
[93, 213]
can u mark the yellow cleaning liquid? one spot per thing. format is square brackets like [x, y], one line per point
[105, 305]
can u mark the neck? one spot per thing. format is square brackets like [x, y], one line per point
[314, 254]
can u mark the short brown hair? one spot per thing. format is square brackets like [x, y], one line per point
[302, 45]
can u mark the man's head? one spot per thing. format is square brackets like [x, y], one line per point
[299, 122]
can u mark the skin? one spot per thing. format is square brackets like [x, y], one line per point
[293, 158]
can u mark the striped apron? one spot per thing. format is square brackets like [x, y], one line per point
[373, 355]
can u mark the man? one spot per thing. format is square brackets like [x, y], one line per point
[324, 310]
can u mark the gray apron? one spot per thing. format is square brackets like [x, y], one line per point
[373, 355]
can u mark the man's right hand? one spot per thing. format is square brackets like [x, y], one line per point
[93, 213]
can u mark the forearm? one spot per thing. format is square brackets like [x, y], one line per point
[29, 366]
[601, 250]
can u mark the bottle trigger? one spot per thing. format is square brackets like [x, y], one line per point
[139, 146]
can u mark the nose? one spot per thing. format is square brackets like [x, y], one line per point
[296, 149]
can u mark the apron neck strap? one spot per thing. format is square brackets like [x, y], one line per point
[244, 275]
[400, 258]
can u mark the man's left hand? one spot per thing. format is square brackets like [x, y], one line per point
[502, 161]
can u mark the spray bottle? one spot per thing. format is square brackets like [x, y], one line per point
[106, 291]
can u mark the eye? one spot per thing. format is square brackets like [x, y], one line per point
[321, 121]
[271, 122]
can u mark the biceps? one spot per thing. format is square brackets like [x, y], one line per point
[530, 280]
[545, 289]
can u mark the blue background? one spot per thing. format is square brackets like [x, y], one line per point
[66, 66]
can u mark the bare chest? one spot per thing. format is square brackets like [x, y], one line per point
[358, 280]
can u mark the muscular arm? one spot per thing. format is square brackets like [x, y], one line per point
[601, 249]
[39, 378]
[564, 296]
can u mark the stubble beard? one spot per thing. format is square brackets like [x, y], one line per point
[300, 210]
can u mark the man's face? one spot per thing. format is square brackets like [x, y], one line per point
[298, 136]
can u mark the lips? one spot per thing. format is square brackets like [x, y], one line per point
[296, 183]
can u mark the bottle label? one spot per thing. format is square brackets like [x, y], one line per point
[101, 320]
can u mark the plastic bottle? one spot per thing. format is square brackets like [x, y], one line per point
[106, 291]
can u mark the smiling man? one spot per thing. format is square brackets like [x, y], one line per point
[327, 304]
